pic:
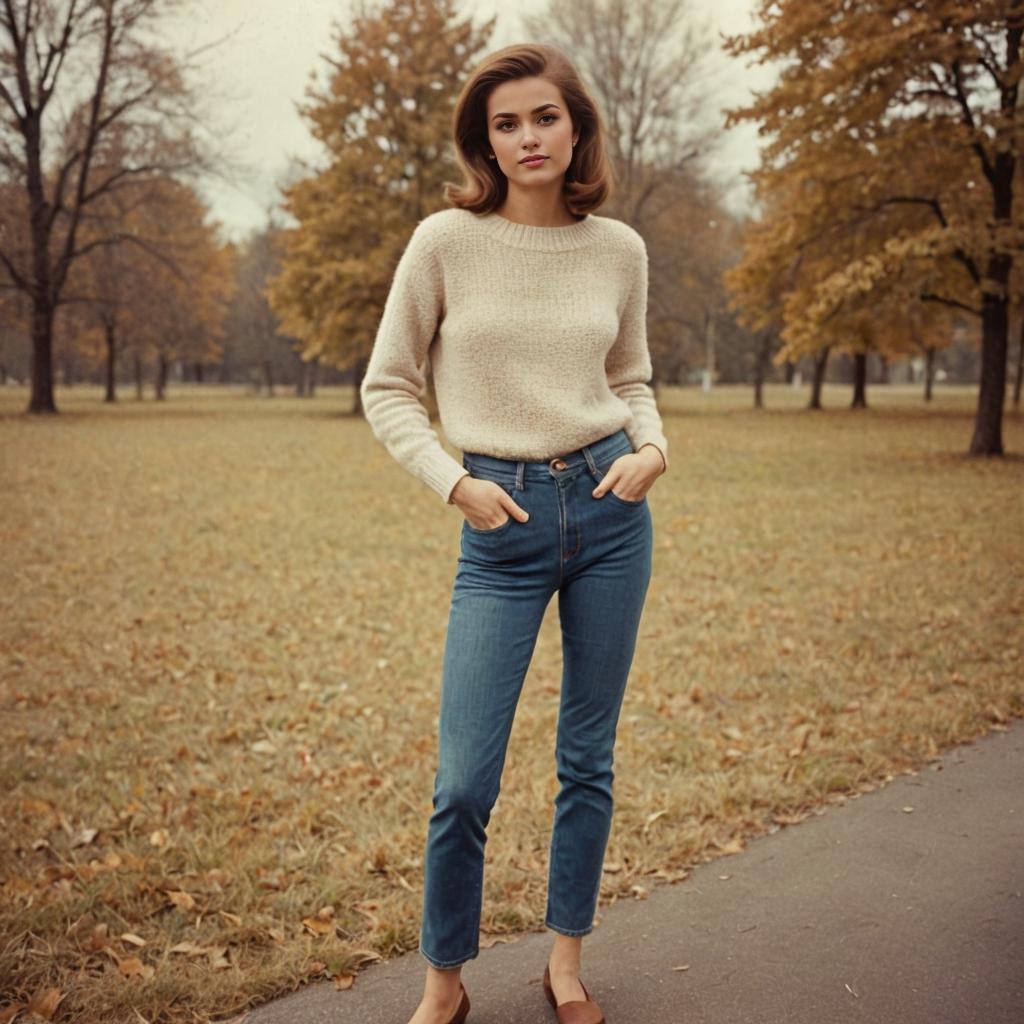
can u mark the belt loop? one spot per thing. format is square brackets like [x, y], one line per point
[520, 473]
[590, 461]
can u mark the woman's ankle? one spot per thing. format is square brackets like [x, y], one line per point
[442, 981]
[565, 955]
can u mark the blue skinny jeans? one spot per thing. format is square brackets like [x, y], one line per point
[596, 553]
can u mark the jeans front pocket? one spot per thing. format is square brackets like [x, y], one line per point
[603, 468]
[625, 502]
[508, 488]
[489, 532]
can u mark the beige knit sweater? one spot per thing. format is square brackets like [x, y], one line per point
[536, 337]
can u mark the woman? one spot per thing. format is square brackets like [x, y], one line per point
[532, 313]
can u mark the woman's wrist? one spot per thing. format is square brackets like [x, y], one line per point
[661, 461]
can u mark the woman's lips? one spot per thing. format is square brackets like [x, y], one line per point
[533, 161]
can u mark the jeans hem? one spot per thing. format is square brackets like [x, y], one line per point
[568, 931]
[446, 964]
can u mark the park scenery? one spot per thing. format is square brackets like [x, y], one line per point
[223, 603]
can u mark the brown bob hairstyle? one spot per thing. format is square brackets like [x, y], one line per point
[588, 180]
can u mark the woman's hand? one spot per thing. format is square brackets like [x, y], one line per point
[633, 473]
[485, 504]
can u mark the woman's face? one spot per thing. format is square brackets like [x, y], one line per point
[529, 117]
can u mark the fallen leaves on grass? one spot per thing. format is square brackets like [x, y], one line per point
[133, 967]
[219, 700]
[321, 923]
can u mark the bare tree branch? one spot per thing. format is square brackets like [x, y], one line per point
[955, 303]
[120, 236]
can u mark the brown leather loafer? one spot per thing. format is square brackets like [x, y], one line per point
[575, 1011]
[463, 1007]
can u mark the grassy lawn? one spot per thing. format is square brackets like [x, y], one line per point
[222, 621]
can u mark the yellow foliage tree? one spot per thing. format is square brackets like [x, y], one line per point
[891, 163]
[384, 117]
[152, 277]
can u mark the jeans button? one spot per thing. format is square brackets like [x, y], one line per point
[557, 464]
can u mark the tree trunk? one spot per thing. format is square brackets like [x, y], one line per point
[314, 371]
[268, 376]
[988, 422]
[789, 368]
[883, 369]
[198, 367]
[709, 348]
[161, 376]
[860, 381]
[1020, 366]
[929, 372]
[41, 373]
[760, 367]
[137, 362]
[357, 405]
[111, 395]
[820, 362]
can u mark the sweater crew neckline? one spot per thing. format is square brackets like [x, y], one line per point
[541, 239]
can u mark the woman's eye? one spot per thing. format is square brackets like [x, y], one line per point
[501, 126]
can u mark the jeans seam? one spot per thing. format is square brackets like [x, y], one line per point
[612, 456]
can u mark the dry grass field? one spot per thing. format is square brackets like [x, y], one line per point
[222, 620]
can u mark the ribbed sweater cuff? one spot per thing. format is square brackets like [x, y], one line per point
[442, 473]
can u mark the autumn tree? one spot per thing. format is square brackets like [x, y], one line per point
[770, 268]
[94, 315]
[901, 117]
[384, 118]
[162, 291]
[75, 74]
[691, 241]
[93, 318]
[825, 298]
[182, 313]
[254, 340]
[645, 63]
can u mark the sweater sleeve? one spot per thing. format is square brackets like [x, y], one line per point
[628, 364]
[395, 378]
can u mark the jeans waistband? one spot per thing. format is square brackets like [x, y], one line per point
[589, 455]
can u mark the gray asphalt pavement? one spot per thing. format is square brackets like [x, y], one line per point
[864, 914]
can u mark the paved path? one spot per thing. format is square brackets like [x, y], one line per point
[865, 913]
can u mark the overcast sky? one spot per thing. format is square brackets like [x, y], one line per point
[266, 50]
